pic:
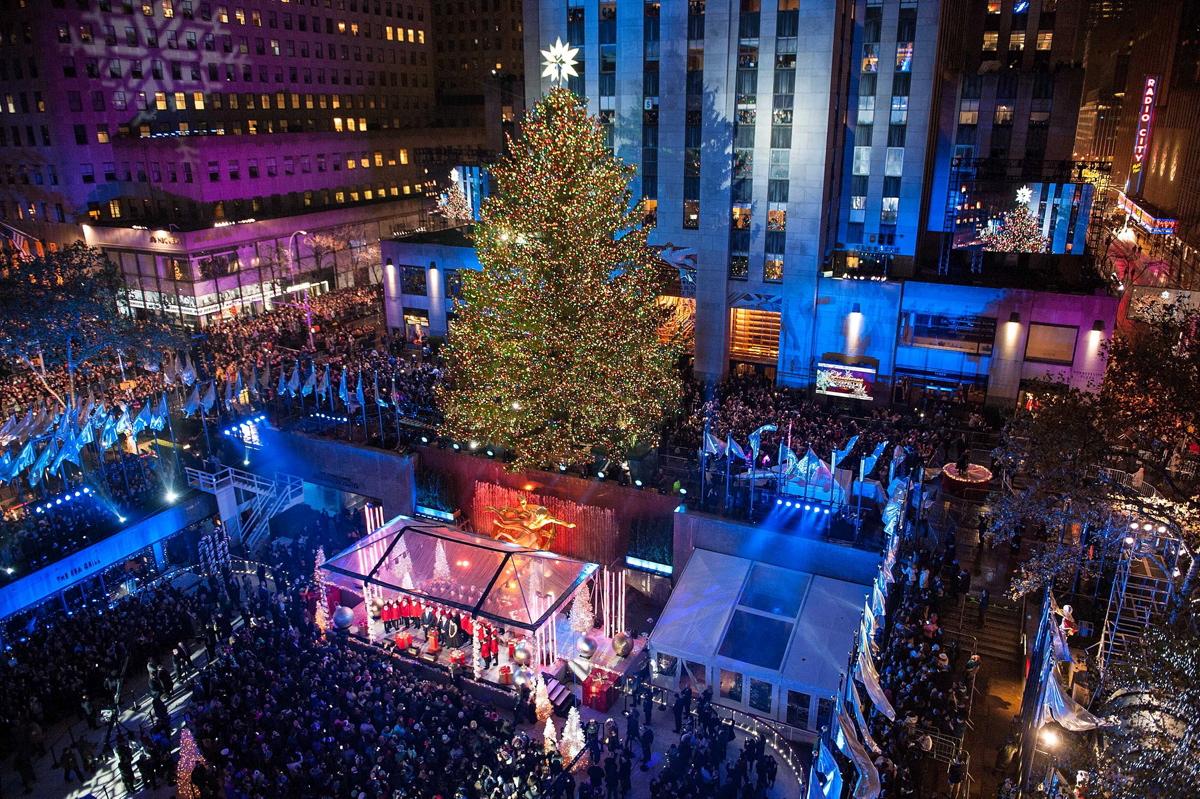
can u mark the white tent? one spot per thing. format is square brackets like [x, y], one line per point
[770, 641]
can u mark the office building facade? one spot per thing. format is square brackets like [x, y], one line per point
[162, 122]
[732, 111]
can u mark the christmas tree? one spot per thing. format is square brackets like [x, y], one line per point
[1017, 230]
[541, 698]
[550, 736]
[554, 349]
[572, 736]
[476, 652]
[453, 203]
[321, 616]
[441, 566]
[189, 758]
[582, 618]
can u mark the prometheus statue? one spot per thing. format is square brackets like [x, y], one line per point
[528, 525]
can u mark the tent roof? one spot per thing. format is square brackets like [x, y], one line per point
[782, 625]
[508, 584]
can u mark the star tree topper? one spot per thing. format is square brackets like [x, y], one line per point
[560, 61]
[1024, 195]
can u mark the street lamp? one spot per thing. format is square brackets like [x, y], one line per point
[294, 256]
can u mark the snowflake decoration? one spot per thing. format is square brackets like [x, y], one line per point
[560, 61]
[1024, 195]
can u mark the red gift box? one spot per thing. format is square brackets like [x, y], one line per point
[506, 675]
[404, 640]
[599, 691]
[458, 657]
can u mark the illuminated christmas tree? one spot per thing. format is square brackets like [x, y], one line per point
[572, 736]
[477, 652]
[441, 566]
[189, 758]
[550, 736]
[554, 348]
[1017, 230]
[541, 698]
[453, 203]
[321, 615]
[582, 619]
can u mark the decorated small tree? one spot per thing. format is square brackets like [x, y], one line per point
[321, 615]
[477, 652]
[441, 566]
[572, 736]
[550, 736]
[189, 758]
[541, 698]
[582, 618]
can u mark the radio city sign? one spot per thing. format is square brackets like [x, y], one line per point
[1145, 123]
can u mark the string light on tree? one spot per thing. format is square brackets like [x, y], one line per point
[453, 202]
[554, 349]
[189, 758]
[321, 616]
[582, 619]
[1017, 229]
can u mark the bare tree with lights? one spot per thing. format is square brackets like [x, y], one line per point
[62, 311]
[554, 349]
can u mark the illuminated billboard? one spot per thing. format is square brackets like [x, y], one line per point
[849, 382]
[1008, 216]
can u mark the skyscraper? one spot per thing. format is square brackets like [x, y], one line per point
[732, 111]
[191, 139]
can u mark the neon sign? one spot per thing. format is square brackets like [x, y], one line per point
[1145, 125]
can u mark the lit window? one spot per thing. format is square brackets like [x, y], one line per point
[968, 112]
[222, 14]
[180, 101]
[866, 109]
[773, 270]
[168, 7]
[870, 57]
[160, 101]
[858, 208]
[1045, 39]
[102, 134]
[114, 209]
[403, 156]
[891, 210]
[1016, 40]
[993, 6]
[862, 161]
[893, 165]
[904, 55]
[198, 100]
[1004, 114]
[991, 41]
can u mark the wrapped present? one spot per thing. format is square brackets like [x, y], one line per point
[404, 640]
[458, 657]
[506, 675]
[599, 690]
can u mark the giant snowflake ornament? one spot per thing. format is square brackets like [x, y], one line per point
[1024, 195]
[560, 61]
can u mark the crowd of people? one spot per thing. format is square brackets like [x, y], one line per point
[32, 535]
[83, 666]
[289, 713]
[928, 679]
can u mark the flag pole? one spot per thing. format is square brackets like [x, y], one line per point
[378, 407]
[728, 469]
[703, 462]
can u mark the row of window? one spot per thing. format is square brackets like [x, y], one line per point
[254, 18]
[194, 40]
[186, 9]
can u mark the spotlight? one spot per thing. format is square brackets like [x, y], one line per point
[490, 452]
[683, 491]
[58, 501]
[808, 507]
[827, 510]
[424, 439]
[172, 496]
[787, 504]
[121, 519]
[600, 474]
[474, 445]
[76, 493]
[1133, 525]
[9, 570]
[245, 461]
[637, 483]
[87, 490]
[455, 446]
[562, 467]
[1129, 540]
[779, 502]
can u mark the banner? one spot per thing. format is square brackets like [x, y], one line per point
[849, 382]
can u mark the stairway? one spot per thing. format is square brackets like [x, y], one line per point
[560, 696]
[248, 501]
[999, 639]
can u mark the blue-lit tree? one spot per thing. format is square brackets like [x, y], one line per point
[60, 311]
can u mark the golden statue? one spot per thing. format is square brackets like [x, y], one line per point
[527, 526]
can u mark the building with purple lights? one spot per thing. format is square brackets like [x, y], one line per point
[191, 139]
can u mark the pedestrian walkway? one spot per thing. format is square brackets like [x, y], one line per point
[996, 637]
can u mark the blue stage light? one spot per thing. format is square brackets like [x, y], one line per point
[779, 502]
[808, 507]
[827, 510]
[121, 519]
[683, 491]
[76, 493]
[58, 501]
[637, 483]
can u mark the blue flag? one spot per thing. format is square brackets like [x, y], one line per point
[343, 392]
